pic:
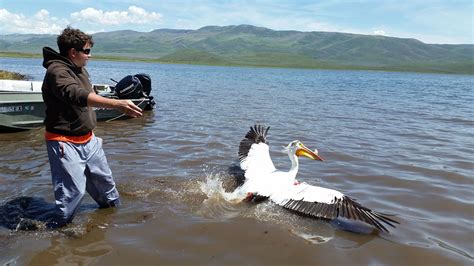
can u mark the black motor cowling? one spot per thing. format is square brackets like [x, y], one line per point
[135, 87]
[129, 87]
[145, 80]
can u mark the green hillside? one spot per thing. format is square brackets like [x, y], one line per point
[256, 46]
[192, 56]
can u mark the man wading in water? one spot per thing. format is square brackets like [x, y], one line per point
[76, 157]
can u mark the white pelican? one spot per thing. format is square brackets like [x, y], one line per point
[263, 180]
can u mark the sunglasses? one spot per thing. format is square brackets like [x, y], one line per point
[86, 51]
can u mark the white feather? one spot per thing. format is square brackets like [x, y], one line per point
[305, 192]
[258, 162]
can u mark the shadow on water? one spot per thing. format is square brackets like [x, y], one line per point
[26, 213]
[29, 213]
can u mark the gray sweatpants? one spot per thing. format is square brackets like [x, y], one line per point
[75, 169]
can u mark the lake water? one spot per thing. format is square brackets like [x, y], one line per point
[400, 143]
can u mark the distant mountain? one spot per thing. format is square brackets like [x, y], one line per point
[257, 46]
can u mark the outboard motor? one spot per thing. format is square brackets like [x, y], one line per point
[145, 80]
[135, 87]
[130, 87]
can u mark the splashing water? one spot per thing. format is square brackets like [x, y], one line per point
[219, 203]
[223, 204]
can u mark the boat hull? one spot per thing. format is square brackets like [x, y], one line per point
[26, 110]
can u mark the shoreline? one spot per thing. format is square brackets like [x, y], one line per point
[413, 69]
[12, 75]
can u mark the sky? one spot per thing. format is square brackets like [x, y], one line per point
[430, 21]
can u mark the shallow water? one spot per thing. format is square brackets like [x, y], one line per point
[400, 143]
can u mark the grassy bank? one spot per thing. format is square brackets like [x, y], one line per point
[11, 75]
[19, 55]
[269, 60]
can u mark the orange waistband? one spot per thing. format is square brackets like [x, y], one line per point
[74, 139]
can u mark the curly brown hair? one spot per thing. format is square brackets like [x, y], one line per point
[72, 38]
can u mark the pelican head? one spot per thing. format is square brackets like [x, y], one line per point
[297, 148]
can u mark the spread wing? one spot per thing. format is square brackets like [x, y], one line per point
[254, 153]
[329, 204]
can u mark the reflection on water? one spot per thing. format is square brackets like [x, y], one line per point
[401, 143]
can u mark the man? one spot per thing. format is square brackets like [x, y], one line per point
[77, 160]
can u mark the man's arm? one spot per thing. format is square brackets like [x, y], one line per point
[125, 106]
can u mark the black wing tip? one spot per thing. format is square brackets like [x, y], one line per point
[256, 134]
[345, 208]
[359, 212]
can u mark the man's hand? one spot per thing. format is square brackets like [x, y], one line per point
[125, 106]
[129, 108]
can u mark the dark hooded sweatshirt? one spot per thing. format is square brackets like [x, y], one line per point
[65, 91]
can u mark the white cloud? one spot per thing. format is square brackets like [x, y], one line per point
[91, 19]
[380, 32]
[134, 15]
[40, 23]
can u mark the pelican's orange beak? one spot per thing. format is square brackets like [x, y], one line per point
[304, 151]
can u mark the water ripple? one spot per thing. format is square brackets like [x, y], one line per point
[400, 143]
